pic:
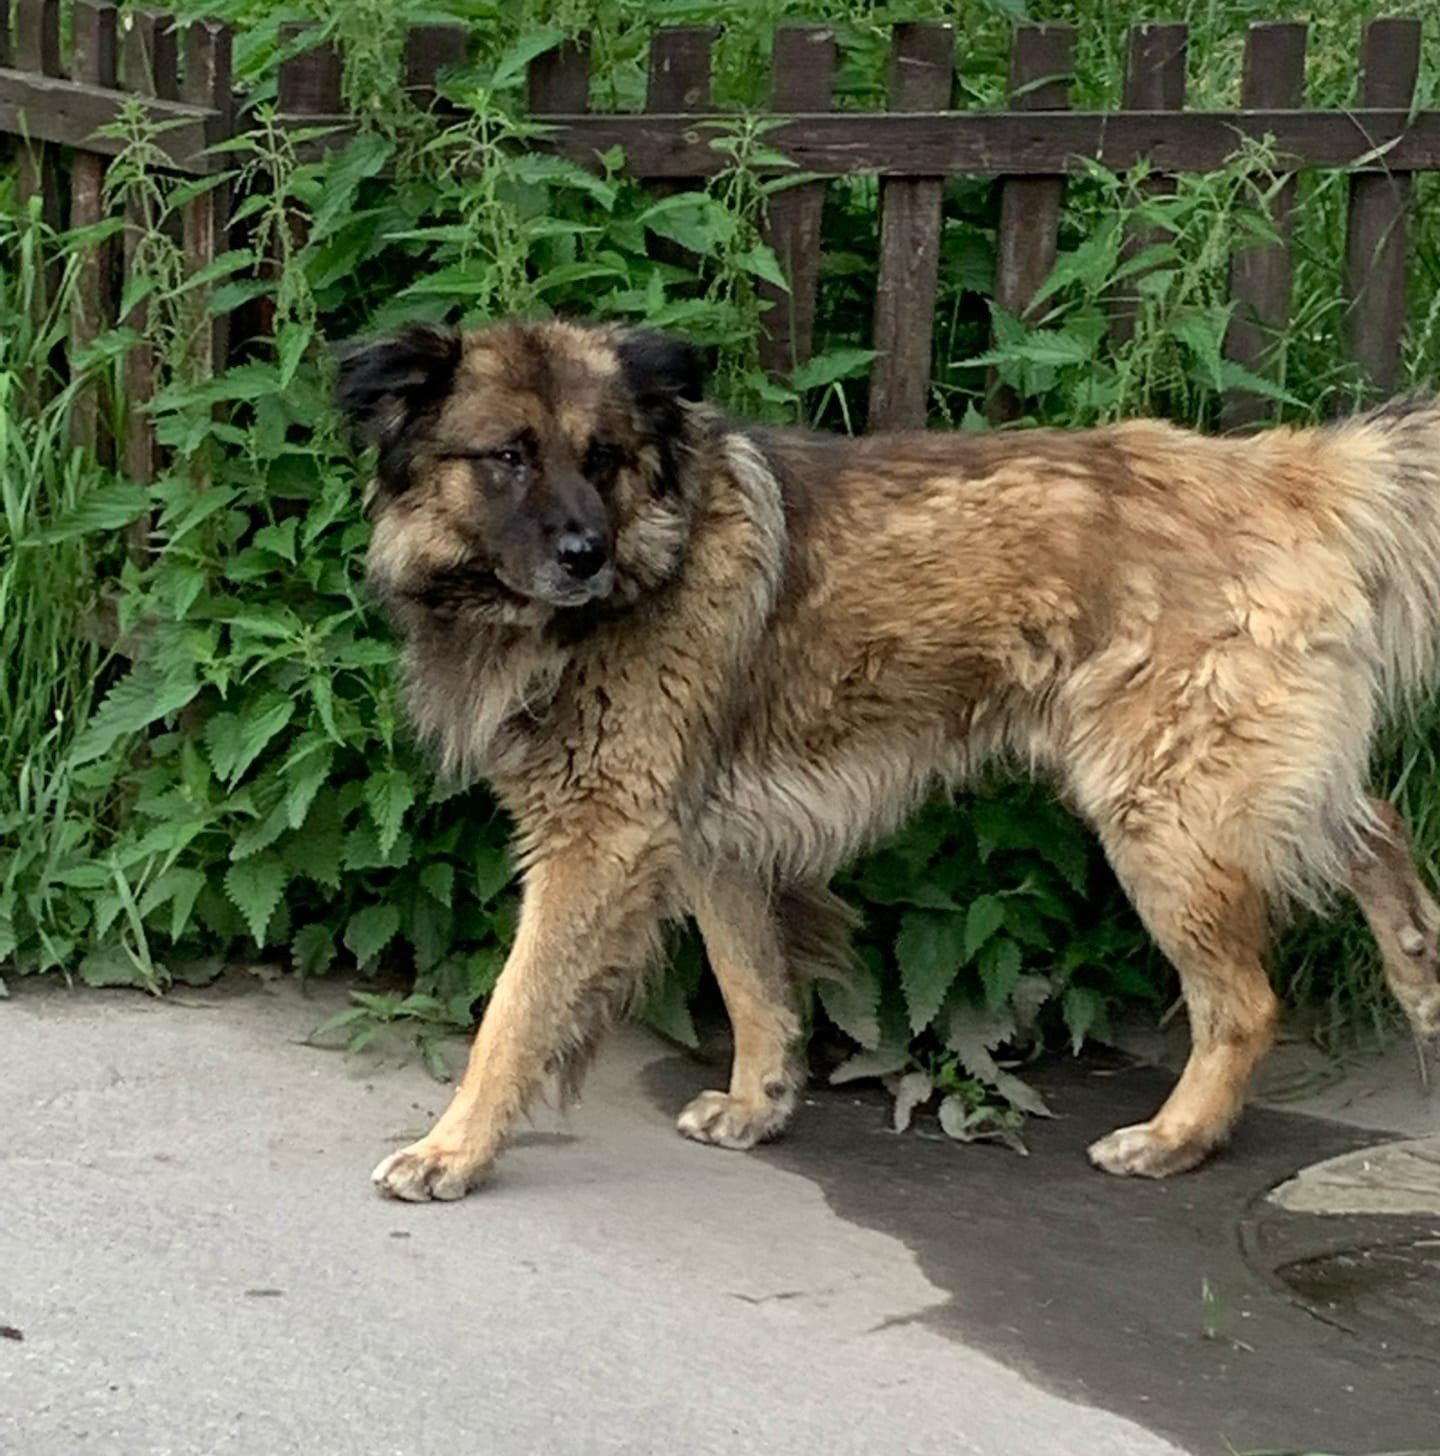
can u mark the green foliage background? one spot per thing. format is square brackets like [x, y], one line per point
[205, 755]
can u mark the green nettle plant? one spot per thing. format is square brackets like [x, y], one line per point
[206, 754]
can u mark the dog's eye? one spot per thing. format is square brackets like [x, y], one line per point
[509, 457]
[602, 461]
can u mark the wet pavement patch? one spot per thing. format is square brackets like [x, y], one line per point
[1194, 1305]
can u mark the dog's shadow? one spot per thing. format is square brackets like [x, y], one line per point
[1159, 1300]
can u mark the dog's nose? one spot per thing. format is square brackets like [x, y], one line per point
[581, 553]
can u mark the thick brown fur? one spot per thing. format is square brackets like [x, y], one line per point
[771, 645]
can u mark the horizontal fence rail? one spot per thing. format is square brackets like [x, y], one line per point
[56, 105]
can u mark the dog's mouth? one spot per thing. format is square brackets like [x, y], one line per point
[554, 587]
[457, 587]
[471, 585]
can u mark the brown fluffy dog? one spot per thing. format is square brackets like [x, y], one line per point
[705, 663]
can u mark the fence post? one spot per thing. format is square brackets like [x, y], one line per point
[1376, 234]
[150, 70]
[802, 71]
[1274, 79]
[678, 82]
[430, 49]
[1154, 81]
[95, 63]
[558, 82]
[206, 217]
[309, 84]
[922, 67]
[1029, 231]
[37, 49]
[6, 60]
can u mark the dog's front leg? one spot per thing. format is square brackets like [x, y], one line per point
[587, 924]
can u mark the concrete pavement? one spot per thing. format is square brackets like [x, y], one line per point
[195, 1263]
[194, 1257]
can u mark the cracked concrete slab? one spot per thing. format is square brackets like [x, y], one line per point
[1398, 1178]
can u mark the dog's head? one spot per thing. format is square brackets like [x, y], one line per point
[524, 468]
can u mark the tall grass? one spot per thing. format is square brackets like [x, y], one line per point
[48, 592]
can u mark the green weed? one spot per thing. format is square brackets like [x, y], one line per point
[206, 753]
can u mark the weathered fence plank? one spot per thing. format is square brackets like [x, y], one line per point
[1380, 140]
[922, 70]
[94, 60]
[1028, 235]
[206, 221]
[678, 83]
[1377, 232]
[151, 68]
[38, 178]
[1274, 76]
[1154, 81]
[803, 73]
[430, 49]
[679, 74]
[1001, 143]
[559, 80]
[70, 113]
[308, 93]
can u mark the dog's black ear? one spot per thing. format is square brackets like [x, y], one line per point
[384, 383]
[660, 370]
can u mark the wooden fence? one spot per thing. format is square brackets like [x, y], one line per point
[54, 105]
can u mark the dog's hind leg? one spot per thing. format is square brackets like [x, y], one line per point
[746, 950]
[1211, 922]
[1403, 918]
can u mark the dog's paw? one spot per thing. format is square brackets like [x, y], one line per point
[425, 1171]
[729, 1122]
[1142, 1152]
[1422, 1008]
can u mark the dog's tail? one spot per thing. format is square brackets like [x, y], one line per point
[1385, 477]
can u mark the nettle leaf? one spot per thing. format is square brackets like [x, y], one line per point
[667, 1010]
[984, 917]
[973, 1034]
[279, 538]
[370, 930]
[1084, 1012]
[362, 850]
[1069, 852]
[254, 888]
[762, 263]
[260, 835]
[236, 740]
[831, 367]
[438, 881]
[999, 967]
[180, 887]
[223, 736]
[493, 869]
[929, 950]
[693, 219]
[135, 702]
[853, 1003]
[535, 42]
[304, 772]
[364, 156]
[312, 950]
[879, 1062]
[389, 795]
[110, 967]
[911, 1090]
